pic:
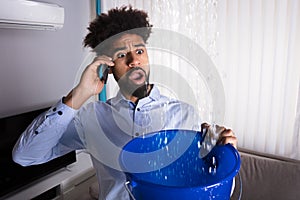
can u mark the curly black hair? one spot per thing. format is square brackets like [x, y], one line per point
[117, 20]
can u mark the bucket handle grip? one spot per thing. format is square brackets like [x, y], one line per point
[128, 190]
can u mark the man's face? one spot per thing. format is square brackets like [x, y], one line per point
[131, 68]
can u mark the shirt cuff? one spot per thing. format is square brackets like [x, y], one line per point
[61, 113]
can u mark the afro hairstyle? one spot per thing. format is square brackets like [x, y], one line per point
[116, 21]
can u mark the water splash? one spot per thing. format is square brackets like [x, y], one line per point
[213, 168]
[210, 140]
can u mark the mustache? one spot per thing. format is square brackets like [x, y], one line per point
[135, 69]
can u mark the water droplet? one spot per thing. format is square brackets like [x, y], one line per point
[214, 162]
[166, 140]
[199, 144]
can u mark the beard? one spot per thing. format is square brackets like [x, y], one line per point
[135, 83]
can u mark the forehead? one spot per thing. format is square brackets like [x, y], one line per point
[128, 40]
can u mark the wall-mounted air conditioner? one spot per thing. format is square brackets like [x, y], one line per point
[25, 14]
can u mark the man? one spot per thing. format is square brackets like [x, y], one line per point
[137, 109]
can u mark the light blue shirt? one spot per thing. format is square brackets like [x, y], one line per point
[102, 129]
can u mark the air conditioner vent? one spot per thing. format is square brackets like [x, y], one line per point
[25, 14]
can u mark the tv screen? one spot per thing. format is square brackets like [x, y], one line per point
[12, 175]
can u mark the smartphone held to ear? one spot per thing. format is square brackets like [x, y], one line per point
[103, 70]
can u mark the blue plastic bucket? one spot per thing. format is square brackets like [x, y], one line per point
[166, 165]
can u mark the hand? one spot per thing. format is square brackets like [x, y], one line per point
[224, 135]
[90, 83]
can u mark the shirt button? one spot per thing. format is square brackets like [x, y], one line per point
[138, 109]
[137, 134]
[36, 132]
[60, 112]
[54, 109]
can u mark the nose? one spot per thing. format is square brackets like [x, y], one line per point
[132, 59]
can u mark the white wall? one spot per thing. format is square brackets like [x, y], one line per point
[39, 67]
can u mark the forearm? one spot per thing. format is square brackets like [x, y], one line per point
[76, 98]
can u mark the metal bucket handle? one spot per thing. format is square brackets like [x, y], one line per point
[128, 190]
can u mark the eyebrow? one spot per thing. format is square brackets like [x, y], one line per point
[123, 48]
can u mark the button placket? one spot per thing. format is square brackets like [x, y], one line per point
[142, 124]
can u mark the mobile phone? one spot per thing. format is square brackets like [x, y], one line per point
[103, 70]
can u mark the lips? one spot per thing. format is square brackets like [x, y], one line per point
[137, 75]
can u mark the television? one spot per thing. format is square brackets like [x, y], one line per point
[14, 177]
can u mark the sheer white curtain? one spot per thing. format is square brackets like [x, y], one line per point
[258, 55]
[255, 47]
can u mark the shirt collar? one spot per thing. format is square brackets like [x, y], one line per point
[153, 96]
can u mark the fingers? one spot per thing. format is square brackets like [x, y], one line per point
[227, 137]
[90, 82]
[103, 60]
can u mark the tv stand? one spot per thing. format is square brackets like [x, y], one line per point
[67, 183]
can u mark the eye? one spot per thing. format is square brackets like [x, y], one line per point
[121, 55]
[139, 51]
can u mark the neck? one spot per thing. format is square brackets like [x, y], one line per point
[135, 99]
